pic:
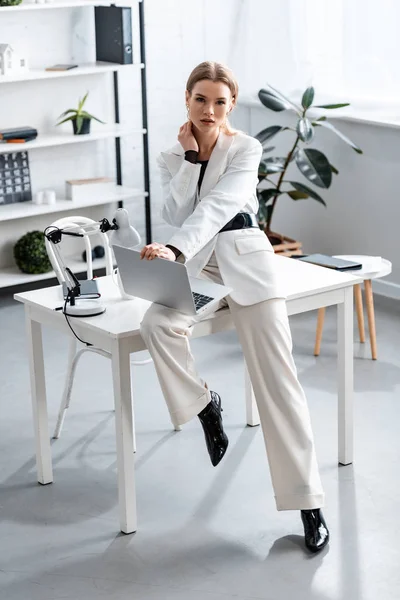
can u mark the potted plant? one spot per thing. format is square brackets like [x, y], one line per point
[312, 163]
[79, 117]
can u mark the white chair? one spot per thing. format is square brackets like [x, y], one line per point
[74, 354]
[371, 269]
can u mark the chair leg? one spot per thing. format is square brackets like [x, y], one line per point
[318, 335]
[360, 312]
[369, 300]
[66, 396]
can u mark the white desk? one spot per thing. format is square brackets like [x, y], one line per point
[118, 331]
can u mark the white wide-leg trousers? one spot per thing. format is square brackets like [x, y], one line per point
[264, 334]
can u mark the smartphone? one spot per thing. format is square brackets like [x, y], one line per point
[89, 289]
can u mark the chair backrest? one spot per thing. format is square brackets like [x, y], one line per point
[78, 222]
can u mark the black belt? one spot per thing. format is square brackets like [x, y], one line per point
[241, 221]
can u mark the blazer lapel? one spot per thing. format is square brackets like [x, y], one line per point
[216, 163]
[175, 156]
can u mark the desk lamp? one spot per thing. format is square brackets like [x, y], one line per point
[122, 234]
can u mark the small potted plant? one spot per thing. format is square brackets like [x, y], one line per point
[79, 117]
[312, 163]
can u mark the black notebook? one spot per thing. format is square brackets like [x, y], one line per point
[323, 260]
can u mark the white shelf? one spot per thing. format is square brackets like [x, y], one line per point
[45, 140]
[21, 210]
[62, 4]
[85, 69]
[11, 276]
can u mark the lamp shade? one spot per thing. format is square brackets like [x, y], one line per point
[125, 235]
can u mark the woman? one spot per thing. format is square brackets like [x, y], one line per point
[209, 182]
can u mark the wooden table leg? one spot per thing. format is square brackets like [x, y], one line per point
[320, 326]
[360, 312]
[345, 378]
[39, 402]
[369, 301]
[124, 435]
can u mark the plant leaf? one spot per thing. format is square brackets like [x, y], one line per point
[79, 123]
[333, 105]
[71, 118]
[266, 195]
[274, 164]
[87, 115]
[271, 101]
[340, 134]
[307, 98]
[305, 130]
[315, 167]
[334, 170]
[296, 195]
[268, 149]
[70, 110]
[264, 212]
[284, 99]
[268, 133]
[82, 102]
[304, 188]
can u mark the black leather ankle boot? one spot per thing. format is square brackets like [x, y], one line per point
[211, 420]
[316, 534]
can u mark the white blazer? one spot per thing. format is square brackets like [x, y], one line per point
[245, 257]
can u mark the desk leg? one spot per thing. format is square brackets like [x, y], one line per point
[39, 403]
[252, 416]
[124, 436]
[345, 383]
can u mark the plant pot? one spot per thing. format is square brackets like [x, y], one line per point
[284, 245]
[84, 129]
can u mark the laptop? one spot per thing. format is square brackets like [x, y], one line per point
[166, 282]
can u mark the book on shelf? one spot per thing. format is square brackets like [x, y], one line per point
[61, 67]
[18, 133]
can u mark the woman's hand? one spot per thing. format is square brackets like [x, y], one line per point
[186, 137]
[156, 250]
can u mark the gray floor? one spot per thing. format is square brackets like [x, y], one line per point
[204, 533]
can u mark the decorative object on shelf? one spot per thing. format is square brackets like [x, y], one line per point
[79, 189]
[113, 26]
[30, 253]
[79, 117]
[97, 252]
[45, 197]
[10, 61]
[9, 2]
[15, 179]
[312, 163]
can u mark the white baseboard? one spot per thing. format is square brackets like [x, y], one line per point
[386, 288]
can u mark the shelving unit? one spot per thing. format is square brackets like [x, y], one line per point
[87, 69]
[45, 140]
[24, 210]
[60, 4]
[11, 276]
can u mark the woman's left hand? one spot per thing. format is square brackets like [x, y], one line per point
[156, 250]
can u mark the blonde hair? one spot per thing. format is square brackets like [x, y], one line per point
[214, 71]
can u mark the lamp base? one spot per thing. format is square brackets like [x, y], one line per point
[85, 308]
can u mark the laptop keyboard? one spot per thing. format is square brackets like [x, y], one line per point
[200, 300]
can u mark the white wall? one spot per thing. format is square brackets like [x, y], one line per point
[253, 38]
[363, 210]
